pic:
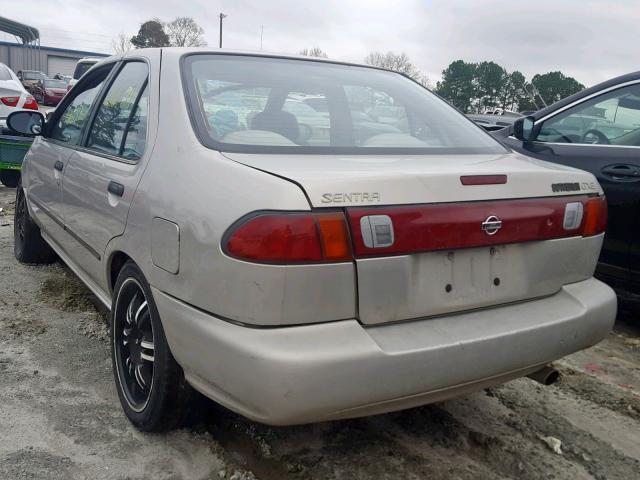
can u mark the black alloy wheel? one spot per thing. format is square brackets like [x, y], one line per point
[134, 344]
[152, 388]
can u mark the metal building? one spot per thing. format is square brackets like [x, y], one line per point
[27, 53]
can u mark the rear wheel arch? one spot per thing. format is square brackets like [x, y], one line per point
[10, 178]
[162, 401]
[117, 261]
[29, 246]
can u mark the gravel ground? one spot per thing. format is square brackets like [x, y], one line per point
[60, 416]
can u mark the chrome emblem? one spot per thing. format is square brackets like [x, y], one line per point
[491, 225]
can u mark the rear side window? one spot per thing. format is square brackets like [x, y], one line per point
[54, 84]
[81, 69]
[119, 126]
[275, 105]
[69, 124]
[32, 75]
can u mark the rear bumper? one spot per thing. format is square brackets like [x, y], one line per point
[337, 370]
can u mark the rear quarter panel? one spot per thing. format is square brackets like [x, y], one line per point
[204, 193]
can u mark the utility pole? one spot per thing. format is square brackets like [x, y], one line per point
[261, 35]
[222, 15]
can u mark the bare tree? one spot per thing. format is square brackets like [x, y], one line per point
[423, 80]
[314, 52]
[185, 32]
[398, 62]
[121, 44]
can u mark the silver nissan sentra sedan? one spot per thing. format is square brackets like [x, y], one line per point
[304, 240]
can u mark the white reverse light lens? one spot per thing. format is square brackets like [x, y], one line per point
[572, 215]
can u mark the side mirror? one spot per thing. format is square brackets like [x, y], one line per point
[523, 129]
[27, 123]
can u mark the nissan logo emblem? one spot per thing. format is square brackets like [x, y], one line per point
[491, 225]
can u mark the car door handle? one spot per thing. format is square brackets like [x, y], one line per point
[621, 170]
[58, 165]
[116, 188]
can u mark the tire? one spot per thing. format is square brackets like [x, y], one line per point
[28, 245]
[10, 178]
[151, 386]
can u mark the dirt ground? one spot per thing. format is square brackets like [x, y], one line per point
[60, 417]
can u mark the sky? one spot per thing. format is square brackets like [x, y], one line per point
[591, 40]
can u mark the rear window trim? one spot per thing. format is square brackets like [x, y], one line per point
[190, 96]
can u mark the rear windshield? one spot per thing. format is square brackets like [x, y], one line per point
[32, 75]
[55, 84]
[81, 69]
[271, 105]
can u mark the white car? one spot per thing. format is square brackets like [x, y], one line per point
[13, 95]
[82, 66]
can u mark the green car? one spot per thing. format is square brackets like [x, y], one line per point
[12, 151]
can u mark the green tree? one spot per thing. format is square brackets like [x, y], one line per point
[457, 84]
[515, 96]
[151, 34]
[554, 86]
[526, 101]
[490, 80]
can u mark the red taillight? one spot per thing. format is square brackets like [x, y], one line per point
[595, 221]
[10, 101]
[291, 238]
[422, 228]
[30, 103]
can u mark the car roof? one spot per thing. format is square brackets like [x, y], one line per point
[180, 51]
[629, 77]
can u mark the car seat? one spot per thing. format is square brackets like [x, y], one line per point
[283, 123]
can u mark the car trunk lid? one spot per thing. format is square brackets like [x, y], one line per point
[356, 180]
[464, 232]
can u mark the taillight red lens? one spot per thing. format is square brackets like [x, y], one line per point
[422, 228]
[10, 101]
[291, 238]
[30, 103]
[595, 221]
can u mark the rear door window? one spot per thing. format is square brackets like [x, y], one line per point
[119, 126]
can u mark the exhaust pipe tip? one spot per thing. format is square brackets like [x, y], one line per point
[546, 375]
